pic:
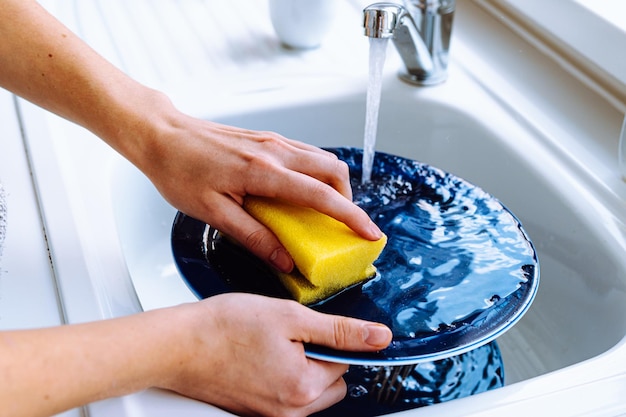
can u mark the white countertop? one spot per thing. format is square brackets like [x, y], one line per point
[28, 295]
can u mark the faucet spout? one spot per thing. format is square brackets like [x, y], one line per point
[420, 32]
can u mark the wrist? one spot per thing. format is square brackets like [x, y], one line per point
[135, 123]
[181, 332]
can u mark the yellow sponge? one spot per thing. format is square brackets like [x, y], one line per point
[328, 254]
[306, 293]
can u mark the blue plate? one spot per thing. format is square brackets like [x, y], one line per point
[457, 272]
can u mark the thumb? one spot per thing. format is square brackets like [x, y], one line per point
[343, 333]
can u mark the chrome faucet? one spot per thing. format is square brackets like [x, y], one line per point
[420, 32]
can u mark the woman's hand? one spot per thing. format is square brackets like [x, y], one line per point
[245, 354]
[241, 352]
[206, 169]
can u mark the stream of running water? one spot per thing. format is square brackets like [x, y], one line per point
[377, 54]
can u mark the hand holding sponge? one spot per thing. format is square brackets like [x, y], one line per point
[329, 256]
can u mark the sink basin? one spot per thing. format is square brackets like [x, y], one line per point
[583, 285]
[579, 313]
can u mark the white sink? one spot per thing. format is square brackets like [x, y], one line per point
[580, 311]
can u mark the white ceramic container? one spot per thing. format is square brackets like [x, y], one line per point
[302, 24]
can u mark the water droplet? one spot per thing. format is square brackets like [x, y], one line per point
[357, 391]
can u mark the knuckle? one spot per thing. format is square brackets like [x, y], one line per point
[256, 240]
[258, 164]
[342, 170]
[320, 192]
[272, 141]
[301, 393]
[294, 312]
[340, 333]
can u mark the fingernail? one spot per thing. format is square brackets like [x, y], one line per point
[377, 335]
[281, 260]
[375, 230]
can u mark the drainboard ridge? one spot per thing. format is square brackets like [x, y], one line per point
[3, 217]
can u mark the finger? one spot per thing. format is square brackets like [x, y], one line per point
[344, 333]
[325, 167]
[255, 237]
[332, 395]
[306, 191]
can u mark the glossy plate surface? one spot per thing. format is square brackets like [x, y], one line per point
[457, 272]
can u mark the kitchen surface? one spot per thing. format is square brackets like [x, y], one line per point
[90, 233]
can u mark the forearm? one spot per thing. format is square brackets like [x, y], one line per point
[46, 371]
[44, 62]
